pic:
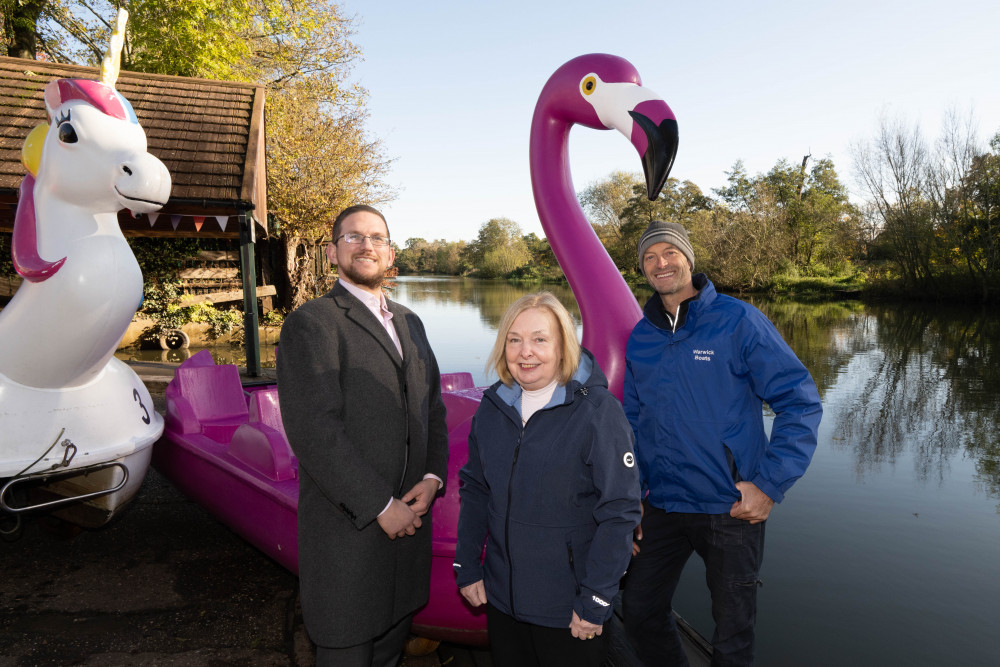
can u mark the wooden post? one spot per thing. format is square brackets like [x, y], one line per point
[251, 337]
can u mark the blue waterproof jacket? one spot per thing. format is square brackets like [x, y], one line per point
[559, 500]
[693, 397]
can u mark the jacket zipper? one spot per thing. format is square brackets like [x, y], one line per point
[506, 527]
[572, 567]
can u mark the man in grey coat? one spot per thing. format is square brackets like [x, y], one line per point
[360, 396]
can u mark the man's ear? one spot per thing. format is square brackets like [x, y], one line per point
[331, 253]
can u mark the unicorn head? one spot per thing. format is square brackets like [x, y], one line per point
[91, 156]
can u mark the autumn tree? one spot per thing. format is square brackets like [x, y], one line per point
[745, 234]
[320, 157]
[604, 202]
[498, 249]
[20, 18]
[318, 164]
[814, 206]
[439, 256]
[964, 186]
[620, 211]
[893, 168]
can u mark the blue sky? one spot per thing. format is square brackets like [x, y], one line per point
[453, 85]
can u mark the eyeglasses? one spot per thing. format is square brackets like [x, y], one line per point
[357, 239]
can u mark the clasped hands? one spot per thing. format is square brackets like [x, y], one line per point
[402, 517]
[475, 595]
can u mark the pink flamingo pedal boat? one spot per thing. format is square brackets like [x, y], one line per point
[224, 444]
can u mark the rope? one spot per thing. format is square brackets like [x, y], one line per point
[44, 454]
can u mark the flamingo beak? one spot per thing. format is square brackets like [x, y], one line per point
[659, 126]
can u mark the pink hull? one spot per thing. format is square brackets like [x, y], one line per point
[225, 448]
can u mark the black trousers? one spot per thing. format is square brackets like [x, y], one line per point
[382, 651]
[732, 549]
[517, 644]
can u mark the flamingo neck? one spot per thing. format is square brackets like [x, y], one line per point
[607, 306]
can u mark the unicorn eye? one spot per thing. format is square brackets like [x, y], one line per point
[67, 134]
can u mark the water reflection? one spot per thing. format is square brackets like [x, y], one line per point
[907, 379]
[461, 316]
[886, 551]
[487, 297]
[223, 354]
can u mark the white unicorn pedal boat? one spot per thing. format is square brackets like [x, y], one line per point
[75, 421]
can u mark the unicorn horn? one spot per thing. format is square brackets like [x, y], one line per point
[111, 64]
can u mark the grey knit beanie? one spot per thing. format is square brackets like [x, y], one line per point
[666, 232]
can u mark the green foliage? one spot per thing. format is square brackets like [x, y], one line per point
[498, 249]
[221, 321]
[161, 258]
[438, 257]
[788, 220]
[272, 318]
[320, 157]
[6, 263]
[935, 212]
[620, 211]
[161, 303]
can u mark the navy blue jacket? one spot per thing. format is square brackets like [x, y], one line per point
[694, 399]
[559, 500]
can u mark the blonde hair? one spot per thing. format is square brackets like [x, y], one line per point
[497, 361]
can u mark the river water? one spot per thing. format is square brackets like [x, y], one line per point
[888, 550]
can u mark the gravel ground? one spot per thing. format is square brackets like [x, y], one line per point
[163, 583]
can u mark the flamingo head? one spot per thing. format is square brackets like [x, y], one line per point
[602, 91]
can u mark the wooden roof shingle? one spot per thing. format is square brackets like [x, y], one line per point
[209, 134]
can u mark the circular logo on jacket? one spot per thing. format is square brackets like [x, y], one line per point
[629, 459]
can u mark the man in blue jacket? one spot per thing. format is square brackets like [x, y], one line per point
[698, 366]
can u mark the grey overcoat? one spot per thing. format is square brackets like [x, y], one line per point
[365, 426]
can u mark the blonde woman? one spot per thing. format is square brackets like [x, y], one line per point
[552, 489]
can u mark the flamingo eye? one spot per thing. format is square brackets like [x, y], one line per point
[67, 134]
[589, 85]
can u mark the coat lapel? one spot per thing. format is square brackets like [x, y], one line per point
[403, 331]
[358, 313]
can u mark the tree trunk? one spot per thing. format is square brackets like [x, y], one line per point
[294, 273]
[21, 28]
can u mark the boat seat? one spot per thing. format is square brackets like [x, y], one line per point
[264, 408]
[216, 397]
[261, 442]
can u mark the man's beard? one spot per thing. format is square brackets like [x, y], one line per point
[371, 282]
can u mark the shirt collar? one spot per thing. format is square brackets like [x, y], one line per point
[366, 297]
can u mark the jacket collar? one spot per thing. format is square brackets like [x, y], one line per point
[588, 374]
[653, 310]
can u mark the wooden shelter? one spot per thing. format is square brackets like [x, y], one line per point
[209, 134]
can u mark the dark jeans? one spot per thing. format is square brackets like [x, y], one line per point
[732, 549]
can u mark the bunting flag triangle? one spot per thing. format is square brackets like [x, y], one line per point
[175, 220]
[199, 220]
[223, 220]
[152, 218]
